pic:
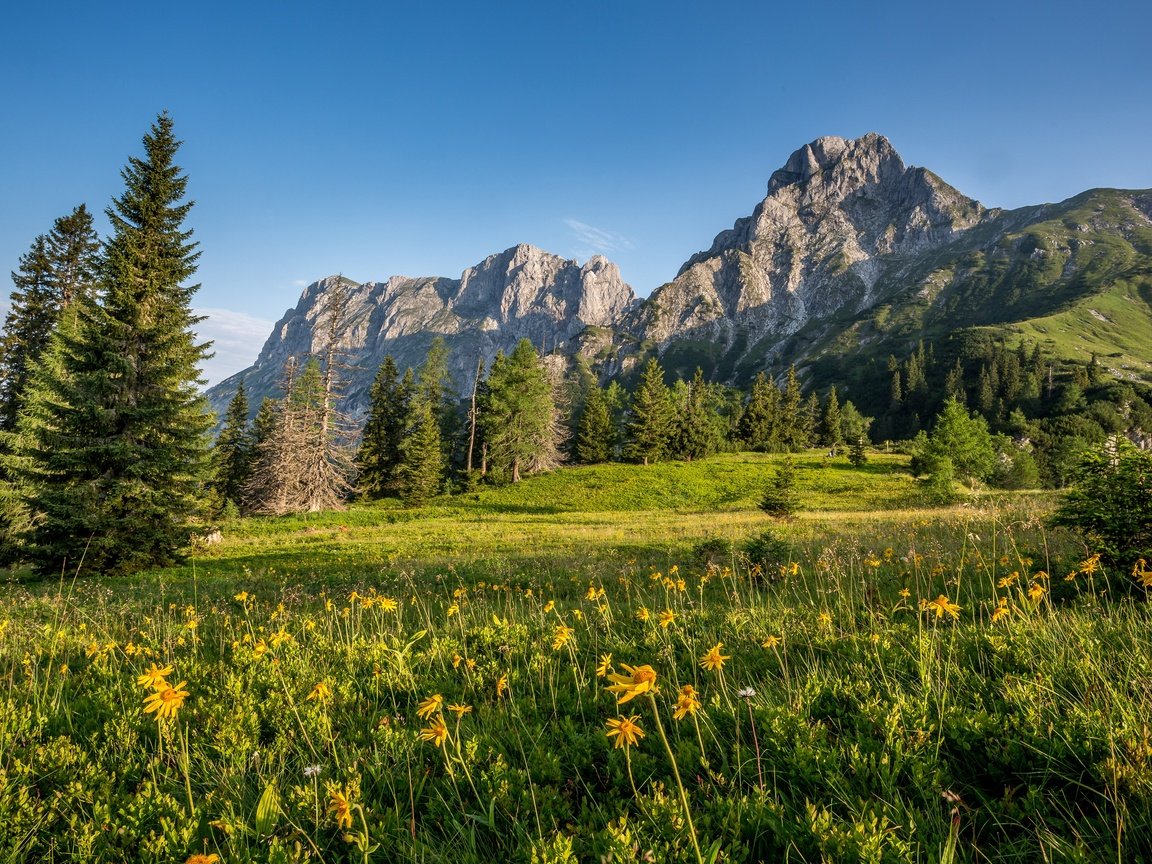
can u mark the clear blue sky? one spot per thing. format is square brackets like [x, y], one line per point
[381, 138]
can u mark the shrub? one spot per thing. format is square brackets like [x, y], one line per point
[780, 498]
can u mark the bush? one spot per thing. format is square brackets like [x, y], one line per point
[769, 552]
[780, 498]
[1110, 502]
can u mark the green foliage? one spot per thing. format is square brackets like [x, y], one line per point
[383, 433]
[781, 498]
[518, 416]
[697, 428]
[1110, 501]
[832, 422]
[650, 422]
[112, 447]
[595, 434]
[233, 450]
[420, 458]
[961, 438]
[858, 453]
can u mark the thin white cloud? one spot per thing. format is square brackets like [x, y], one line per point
[237, 338]
[596, 241]
[300, 283]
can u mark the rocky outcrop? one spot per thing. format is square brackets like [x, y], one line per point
[522, 292]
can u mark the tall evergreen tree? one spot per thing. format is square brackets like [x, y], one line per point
[696, 432]
[51, 274]
[650, 423]
[595, 435]
[794, 425]
[421, 462]
[112, 445]
[759, 421]
[439, 387]
[831, 433]
[520, 423]
[384, 430]
[232, 453]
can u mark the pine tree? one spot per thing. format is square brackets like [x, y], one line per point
[439, 387]
[384, 430]
[57, 268]
[112, 444]
[595, 435]
[695, 428]
[520, 423]
[421, 462]
[232, 453]
[650, 424]
[793, 423]
[857, 454]
[831, 433]
[759, 420]
[780, 498]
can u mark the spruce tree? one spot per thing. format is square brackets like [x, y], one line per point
[421, 462]
[650, 425]
[759, 421]
[831, 435]
[794, 423]
[780, 498]
[384, 431]
[595, 435]
[696, 434]
[518, 416]
[51, 274]
[232, 453]
[112, 445]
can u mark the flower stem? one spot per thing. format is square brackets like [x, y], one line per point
[679, 782]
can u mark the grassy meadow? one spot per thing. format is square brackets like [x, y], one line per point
[606, 664]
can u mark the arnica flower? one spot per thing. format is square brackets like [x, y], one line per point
[626, 730]
[210, 858]
[667, 617]
[1090, 565]
[460, 710]
[687, 703]
[387, 604]
[905, 593]
[1009, 580]
[453, 609]
[605, 665]
[1002, 610]
[501, 686]
[642, 614]
[771, 642]
[429, 706]
[166, 701]
[713, 661]
[340, 807]
[1141, 573]
[639, 680]
[549, 606]
[436, 731]
[560, 636]
[154, 677]
[941, 606]
[321, 693]
[1036, 592]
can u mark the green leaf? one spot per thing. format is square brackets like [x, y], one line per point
[268, 810]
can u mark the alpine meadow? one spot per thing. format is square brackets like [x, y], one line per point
[837, 547]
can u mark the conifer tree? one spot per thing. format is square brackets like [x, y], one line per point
[781, 498]
[650, 424]
[520, 423]
[437, 384]
[758, 422]
[51, 274]
[112, 445]
[595, 434]
[831, 433]
[232, 453]
[420, 460]
[794, 425]
[695, 428]
[384, 430]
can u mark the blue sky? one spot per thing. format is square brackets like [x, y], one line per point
[379, 138]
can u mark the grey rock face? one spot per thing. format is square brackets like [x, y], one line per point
[838, 216]
[522, 292]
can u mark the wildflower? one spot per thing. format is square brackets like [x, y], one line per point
[460, 710]
[872, 561]
[1009, 580]
[321, 693]
[605, 665]
[1090, 565]
[771, 642]
[210, 858]
[549, 606]
[905, 593]
[243, 597]
[429, 706]
[1141, 573]
[340, 807]
[626, 730]
[687, 703]
[746, 692]
[639, 680]
[642, 614]
[471, 664]
[166, 701]
[501, 686]
[453, 609]
[154, 677]
[713, 661]
[941, 606]
[561, 636]
[260, 648]
[578, 614]
[456, 660]
[667, 617]
[436, 732]
[311, 771]
[280, 637]
[1002, 610]
[1036, 592]
[824, 619]
[387, 604]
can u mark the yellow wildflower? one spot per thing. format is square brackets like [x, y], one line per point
[387, 604]
[436, 732]
[561, 636]
[154, 677]
[1090, 565]
[456, 660]
[605, 665]
[429, 706]
[667, 617]
[824, 619]
[941, 606]
[501, 686]
[470, 663]
[642, 614]
[1036, 592]
[1009, 580]
[905, 593]
[453, 609]
[210, 858]
[166, 701]
[713, 661]
[549, 606]
[626, 730]
[321, 693]
[1002, 610]
[1141, 573]
[770, 642]
[687, 703]
[638, 680]
[340, 807]
[460, 710]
